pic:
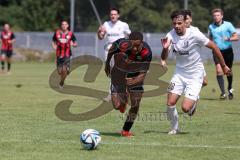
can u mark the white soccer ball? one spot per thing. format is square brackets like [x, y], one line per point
[90, 139]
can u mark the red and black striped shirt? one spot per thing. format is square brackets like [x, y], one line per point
[63, 42]
[144, 55]
[124, 45]
[6, 37]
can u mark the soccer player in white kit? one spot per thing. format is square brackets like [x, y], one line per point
[112, 30]
[187, 80]
[188, 25]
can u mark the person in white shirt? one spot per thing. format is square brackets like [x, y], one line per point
[187, 80]
[113, 30]
[188, 25]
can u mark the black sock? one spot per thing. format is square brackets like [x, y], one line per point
[230, 79]
[221, 83]
[9, 66]
[2, 65]
[127, 125]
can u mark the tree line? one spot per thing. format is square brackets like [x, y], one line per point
[142, 15]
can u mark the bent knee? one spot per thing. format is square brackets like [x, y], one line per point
[185, 109]
[171, 103]
[117, 102]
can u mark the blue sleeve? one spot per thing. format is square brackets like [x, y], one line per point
[210, 31]
[231, 28]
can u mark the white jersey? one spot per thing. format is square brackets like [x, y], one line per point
[115, 31]
[187, 50]
[194, 28]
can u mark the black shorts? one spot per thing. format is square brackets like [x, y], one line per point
[118, 82]
[228, 57]
[125, 88]
[7, 53]
[65, 61]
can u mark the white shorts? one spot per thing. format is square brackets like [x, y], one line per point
[106, 49]
[189, 86]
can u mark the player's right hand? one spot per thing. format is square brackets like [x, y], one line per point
[166, 42]
[102, 29]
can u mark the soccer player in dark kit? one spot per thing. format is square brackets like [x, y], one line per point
[7, 40]
[132, 59]
[63, 39]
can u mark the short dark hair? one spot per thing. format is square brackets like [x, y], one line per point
[115, 9]
[178, 13]
[217, 10]
[135, 35]
[188, 12]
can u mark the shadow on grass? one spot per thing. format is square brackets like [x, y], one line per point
[232, 113]
[162, 132]
[111, 134]
[88, 150]
[209, 99]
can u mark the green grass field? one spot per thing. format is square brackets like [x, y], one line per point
[30, 130]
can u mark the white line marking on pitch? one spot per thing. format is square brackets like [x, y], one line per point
[173, 145]
[59, 141]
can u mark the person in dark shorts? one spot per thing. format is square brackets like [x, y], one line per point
[223, 33]
[63, 39]
[7, 40]
[132, 58]
[112, 30]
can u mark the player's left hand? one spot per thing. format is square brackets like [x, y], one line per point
[54, 46]
[74, 44]
[226, 39]
[163, 63]
[226, 70]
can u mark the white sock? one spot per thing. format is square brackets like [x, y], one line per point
[172, 116]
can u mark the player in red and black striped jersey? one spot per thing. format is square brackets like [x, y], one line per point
[7, 40]
[63, 39]
[132, 58]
